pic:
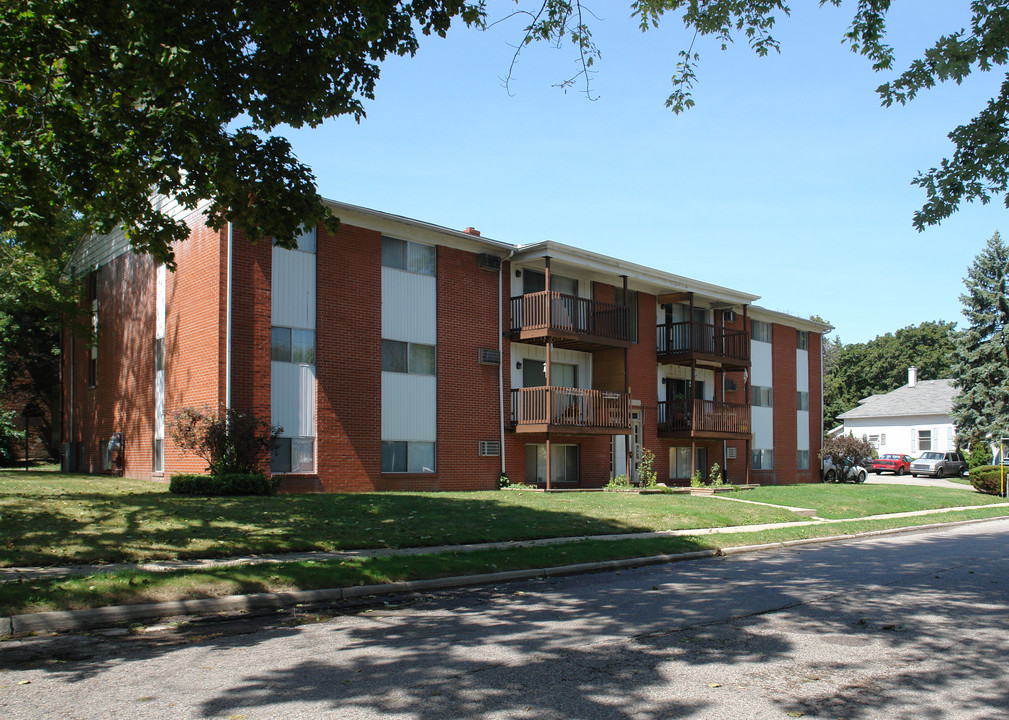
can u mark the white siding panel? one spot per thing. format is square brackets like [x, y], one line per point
[159, 405]
[763, 427]
[761, 372]
[409, 407]
[802, 430]
[159, 310]
[293, 289]
[410, 307]
[802, 371]
[292, 397]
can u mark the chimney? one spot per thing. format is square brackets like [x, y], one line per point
[472, 231]
[912, 376]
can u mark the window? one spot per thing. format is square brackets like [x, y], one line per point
[874, 441]
[409, 256]
[403, 357]
[292, 345]
[730, 385]
[763, 459]
[632, 310]
[802, 463]
[293, 455]
[802, 340]
[534, 374]
[760, 396]
[802, 400]
[679, 463]
[924, 440]
[882, 439]
[563, 462]
[400, 456]
[760, 331]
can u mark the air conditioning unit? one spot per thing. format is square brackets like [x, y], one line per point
[490, 357]
[730, 453]
[490, 262]
[489, 448]
[729, 316]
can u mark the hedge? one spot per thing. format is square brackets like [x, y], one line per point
[230, 484]
[987, 479]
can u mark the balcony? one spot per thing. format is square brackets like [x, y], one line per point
[572, 411]
[680, 343]
[569, 321]
[704, 419]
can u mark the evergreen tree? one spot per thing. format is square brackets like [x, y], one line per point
[981, 365]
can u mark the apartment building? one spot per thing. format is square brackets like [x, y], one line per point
[398, 355]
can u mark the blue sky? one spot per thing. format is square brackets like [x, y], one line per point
[787, 180]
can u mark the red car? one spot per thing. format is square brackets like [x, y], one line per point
[891, 462]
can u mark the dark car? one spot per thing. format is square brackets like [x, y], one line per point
[892, 462]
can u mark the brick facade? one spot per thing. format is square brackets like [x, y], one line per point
[471, 311]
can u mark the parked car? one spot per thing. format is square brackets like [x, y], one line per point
[855, 474]
[892, 462]
[939, 464]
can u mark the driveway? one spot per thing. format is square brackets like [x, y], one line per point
[908, 480]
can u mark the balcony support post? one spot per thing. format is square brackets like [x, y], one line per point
[690, 325]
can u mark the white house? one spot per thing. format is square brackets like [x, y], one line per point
[912, 419]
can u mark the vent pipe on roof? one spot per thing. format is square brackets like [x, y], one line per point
[912, 376]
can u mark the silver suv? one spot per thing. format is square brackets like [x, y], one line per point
[939, 464]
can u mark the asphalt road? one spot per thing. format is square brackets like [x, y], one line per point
[906, 626]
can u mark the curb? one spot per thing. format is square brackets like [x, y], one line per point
[90, 619]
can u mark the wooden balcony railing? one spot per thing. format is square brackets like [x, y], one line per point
[570, 407]
[694, 338]
[700, 417]
[554, 311]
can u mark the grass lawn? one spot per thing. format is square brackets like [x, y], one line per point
[120, 588]
[48, 518]
[853, 501]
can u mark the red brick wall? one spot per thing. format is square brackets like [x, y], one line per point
[122, 399]
[815, 410]
[734, 471]
[195, 333]
[348, 365]
[468, 392]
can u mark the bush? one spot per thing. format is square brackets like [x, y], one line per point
[230, 440]
[646, 469]
[979, 454]
[222, 485]
[620, 482]
[9, 437]
[987, 479]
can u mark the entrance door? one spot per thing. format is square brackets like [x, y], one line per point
[619, 449]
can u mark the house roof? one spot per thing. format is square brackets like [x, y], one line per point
[927, 397]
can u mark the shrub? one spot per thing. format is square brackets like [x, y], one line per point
[696, 480]
[222, 485]
[987, 479]
[979, 454]
[230, 440]
[9, 437]
[845, 452]
[503, 481]
[619, 482]
[715, 477]
[646, 469]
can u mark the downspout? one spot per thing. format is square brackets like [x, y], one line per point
[500, 354]
[227, 340]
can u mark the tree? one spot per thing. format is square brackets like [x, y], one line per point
[979, 167]
[845, 453]
[104, 102]
[981, 366]
[36, 300]
[856, 371]
[230, 441]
